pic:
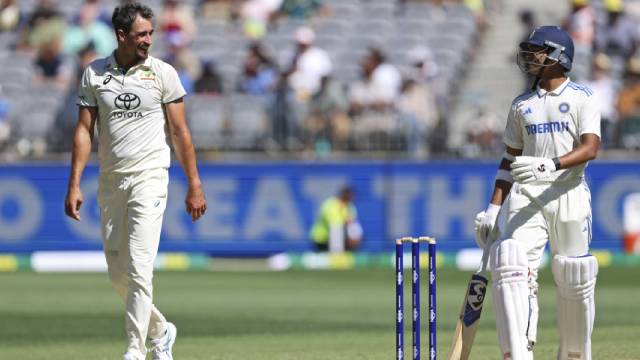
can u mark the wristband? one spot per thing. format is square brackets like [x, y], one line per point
[556, 162]
[508, 156]
[504, 175]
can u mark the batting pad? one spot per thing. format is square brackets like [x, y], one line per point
[576, 281]
[510, 270]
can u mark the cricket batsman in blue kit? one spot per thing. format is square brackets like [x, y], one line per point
[540, 196]
[136, 102]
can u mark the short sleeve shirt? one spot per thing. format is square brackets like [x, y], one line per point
[132, 132]
[549, 123]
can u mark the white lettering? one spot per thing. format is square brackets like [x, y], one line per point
[444, 206]
[218, 221]
[273, 211]
[399, 192]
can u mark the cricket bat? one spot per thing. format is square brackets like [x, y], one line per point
[469, 319]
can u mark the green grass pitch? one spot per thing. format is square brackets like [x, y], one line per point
[299, 315]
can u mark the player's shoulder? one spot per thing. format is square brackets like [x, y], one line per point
[523, 97]
[582, 91]
[98, 66]
[158, 64]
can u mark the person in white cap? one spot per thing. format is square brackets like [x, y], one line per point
[310, 64]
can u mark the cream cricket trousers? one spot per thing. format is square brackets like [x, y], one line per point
[131, 210]
[558, 213]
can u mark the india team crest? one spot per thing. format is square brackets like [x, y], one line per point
[564, 107]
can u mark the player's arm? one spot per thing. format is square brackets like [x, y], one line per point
[504, 181]
[586, 151]
[485, 220]
[82, 140]
[181, 139]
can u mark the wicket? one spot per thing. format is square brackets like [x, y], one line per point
[415, 291]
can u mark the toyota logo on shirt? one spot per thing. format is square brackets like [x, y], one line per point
[127, 101]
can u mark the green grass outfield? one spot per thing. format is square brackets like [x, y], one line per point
[299, 315]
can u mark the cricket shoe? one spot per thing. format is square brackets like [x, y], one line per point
[162, 347]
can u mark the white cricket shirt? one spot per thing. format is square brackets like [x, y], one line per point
[131, 124]
[549, 123]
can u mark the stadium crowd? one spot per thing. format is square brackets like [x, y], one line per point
[309, 76]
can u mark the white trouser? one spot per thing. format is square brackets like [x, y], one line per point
[534, 214]
[131, 210]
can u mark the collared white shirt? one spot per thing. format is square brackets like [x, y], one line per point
[131, 121]
[549, 124]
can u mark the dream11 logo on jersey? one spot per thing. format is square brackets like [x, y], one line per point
[127, 102]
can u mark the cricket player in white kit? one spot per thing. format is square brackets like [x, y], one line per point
[137, 103]
[540, 196]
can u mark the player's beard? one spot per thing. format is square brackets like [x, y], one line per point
[142, 53]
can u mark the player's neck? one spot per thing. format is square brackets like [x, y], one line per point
[124, 61]
[550, 84]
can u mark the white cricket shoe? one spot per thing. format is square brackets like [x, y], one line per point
[161, 349]
[131, 356]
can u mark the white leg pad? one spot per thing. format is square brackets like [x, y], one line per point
[510, 272]
[575, 278]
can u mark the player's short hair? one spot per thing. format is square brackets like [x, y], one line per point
[124, 16]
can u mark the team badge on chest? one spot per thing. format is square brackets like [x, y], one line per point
[564, 108]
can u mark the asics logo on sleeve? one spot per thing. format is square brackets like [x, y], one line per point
[107, 79]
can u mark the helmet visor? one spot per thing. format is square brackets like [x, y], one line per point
[532, 58]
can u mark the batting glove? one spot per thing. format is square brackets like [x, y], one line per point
[526, 169]
[484, 223]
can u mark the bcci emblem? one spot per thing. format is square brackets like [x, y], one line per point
[564, 108]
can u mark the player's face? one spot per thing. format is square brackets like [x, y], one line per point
[532, 58]
[139, 39]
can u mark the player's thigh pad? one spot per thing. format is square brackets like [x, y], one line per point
[510, 270]
[575, 278]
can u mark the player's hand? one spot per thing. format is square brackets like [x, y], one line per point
[484, 223]
[526, 169]
[73, 202]
[195, 202]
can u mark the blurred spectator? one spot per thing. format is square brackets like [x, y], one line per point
[483, 135]
[45, 24]
[5, 127]
[528, 23]
[328, 123]
[259, 75]
[309, 65]
[336, 227]
[629, 107]
[257, 15]
[89, 27]
[605, 89]
[372, 99]
[218, 10]
[52, 65]
[618, 37]
[176, 23]
[418, 115]
[67, 117]
[90, 11]
[210, 81]
[188, 66]
[580, 23]
[9, 15]
[301, 9]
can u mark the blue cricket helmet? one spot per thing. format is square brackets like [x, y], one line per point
[557, 40]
